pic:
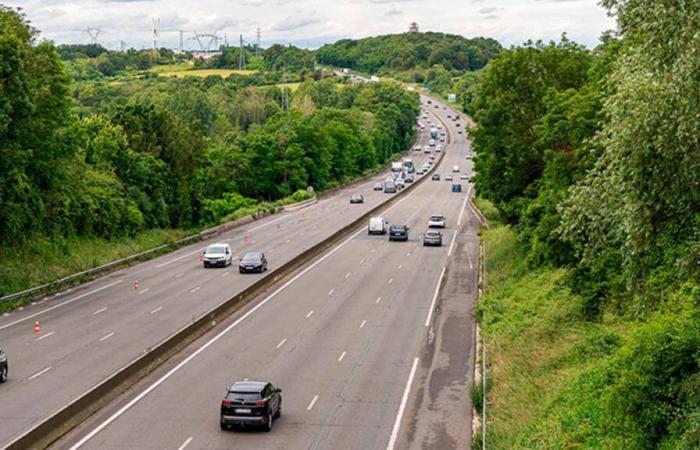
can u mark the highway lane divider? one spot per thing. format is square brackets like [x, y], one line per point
[81, 408]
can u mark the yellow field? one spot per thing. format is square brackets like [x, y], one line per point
[290, 86]
[205, 73]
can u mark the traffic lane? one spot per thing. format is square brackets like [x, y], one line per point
[242, 331]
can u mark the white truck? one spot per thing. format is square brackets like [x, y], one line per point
[396, 166]
[377, 225]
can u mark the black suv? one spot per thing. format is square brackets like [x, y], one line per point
[3, 366]
[398, 233]
[251, 403]
[252, 262]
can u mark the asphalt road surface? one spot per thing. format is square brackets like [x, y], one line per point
[91, 331]
[372, 344]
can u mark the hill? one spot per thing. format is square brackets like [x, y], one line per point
[409, 50]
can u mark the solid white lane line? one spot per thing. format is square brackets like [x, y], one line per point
[192, 291]
[432, 304]
[313, 402]
[100, 311]
[459, 221]
[400, 266]
[408, 254]
[342, 356]
[373, 250]
[267, 223]
[144, 291]
[391, 280]
[59, 305]
[469, 259]
[39, 373]
[402, 406]
[281, 342]
[104, 338]
[216, 338]
[179, 274]
[287, 241]
[347, 275]
[452, 244]
[180, 257]
[156, 310]
[225, 274]
[331, 292]
[362, 325]
[185, 444]
[379, 299]
[362, 261]
[310, 313]
[44, 336]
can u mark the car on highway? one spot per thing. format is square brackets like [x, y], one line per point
[448, 178]
[377, 225]
[464, 176]
[400, 183]
[436, 177]
[442, 138]
[426, 150]
[253, 262]
[4, 366]
[357, 198]
[417, 148]
[378, 187]
[398, 233]
[457, 125]
[408, 178]
[251, 403]
[389, 187]
[420, 171]
[432, 238]
[217, 255]
[437, 221]
[459, 131]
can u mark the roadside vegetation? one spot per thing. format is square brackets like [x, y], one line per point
[591, 159]
[103, 160]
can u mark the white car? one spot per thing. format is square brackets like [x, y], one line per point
[217, 255]
[455, 169]
[464, 176]
[448, 178]
[437, 221]
[400, 183]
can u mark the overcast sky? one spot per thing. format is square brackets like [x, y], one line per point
[310, 23]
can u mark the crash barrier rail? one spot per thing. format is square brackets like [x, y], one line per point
[78, 410]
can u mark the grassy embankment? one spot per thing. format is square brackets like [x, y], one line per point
[541, 351]
[41, 260]
[188, 70]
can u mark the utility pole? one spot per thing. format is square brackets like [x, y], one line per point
[182, 41]
[257, 42]
[241, 57]
[122, 46]
[285, 97]
[156, 33]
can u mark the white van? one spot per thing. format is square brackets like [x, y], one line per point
[377, 225]
[455, 169]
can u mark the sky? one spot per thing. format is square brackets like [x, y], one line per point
[310, 23]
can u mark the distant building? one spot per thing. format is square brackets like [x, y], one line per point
[413, 27]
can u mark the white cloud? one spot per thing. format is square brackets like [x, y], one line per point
[312, 22]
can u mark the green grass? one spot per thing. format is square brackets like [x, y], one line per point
[534, 334]
[42, 260]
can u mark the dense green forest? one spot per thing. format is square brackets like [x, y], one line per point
[396, 52]
[592, 158]
[109, 159]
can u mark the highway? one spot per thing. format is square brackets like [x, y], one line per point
[372, 344]
[93, 330]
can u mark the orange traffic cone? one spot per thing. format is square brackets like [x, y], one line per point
[37, 329]
[136, 285]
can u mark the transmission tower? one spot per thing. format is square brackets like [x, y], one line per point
[156, 33]
[182, 41]
[257, 42]
[122, 46]
[206, 45]
[94, 33]
[241, 57]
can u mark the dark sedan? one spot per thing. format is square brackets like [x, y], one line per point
[252, 262]
[398, 233]
[251, 403]
[3, 366]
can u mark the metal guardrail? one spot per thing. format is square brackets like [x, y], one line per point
[75, 412]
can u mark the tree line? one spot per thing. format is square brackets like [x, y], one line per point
[593, 156]
[111, 159]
